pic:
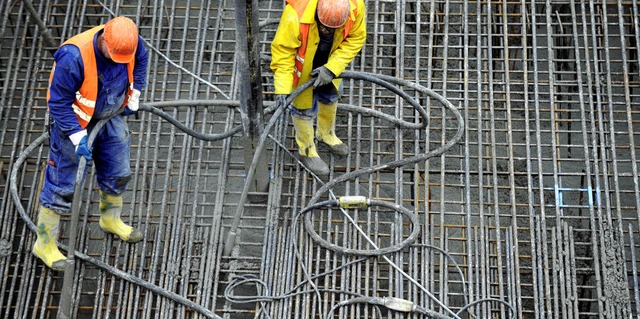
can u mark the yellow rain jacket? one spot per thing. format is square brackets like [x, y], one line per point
[286, 47]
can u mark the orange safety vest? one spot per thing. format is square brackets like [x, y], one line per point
[86, 96]
[300, 6]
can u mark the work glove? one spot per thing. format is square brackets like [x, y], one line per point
[323, 76]
[134, 100]
[281, 100]
[82, 149]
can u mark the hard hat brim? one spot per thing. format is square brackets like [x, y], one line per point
[334, 26]
[121, 58]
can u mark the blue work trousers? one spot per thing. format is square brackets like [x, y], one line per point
[326, 94]
[110, 157]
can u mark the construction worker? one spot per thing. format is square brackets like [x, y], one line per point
[95, 73]
[316, 38]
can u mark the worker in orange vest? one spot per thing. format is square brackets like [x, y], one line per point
[95, 74]
[316, 38]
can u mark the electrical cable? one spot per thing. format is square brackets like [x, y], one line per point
[395, 164]
[410, 160]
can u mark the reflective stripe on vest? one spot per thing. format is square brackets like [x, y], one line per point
[300, 6]
[85, 102]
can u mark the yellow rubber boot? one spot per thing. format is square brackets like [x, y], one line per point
[326, 132]
[307, 148]
[110, 222]
[45, 246]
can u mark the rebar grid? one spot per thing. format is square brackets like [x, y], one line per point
[538, 205]
[182, 182]
[533, 206]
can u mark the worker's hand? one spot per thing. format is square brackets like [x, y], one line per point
[134, 100]
[281, 100]
[323, 76]
[82, 149]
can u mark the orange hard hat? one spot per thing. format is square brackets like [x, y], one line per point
[333, 13]
[121, 36]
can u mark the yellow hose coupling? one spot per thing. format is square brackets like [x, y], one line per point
[352, 202]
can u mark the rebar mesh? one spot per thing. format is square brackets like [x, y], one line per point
[537, 205]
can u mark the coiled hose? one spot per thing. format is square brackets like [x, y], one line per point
[384, 81]
[152, 108]
[104, 266]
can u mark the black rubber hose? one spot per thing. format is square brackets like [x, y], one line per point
[270, 107]
[512, 311]
[389, 303]
[13, 180]
[366, 171]
[106, 267]
[66, 295]
[46, 35]
[415, 231]
[230, 240]
[406, 161]
[201, 136]
[380, 80]
[155, 108]
[326, 203]
[374, 78]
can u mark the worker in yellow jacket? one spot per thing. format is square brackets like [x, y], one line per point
[316, 38]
